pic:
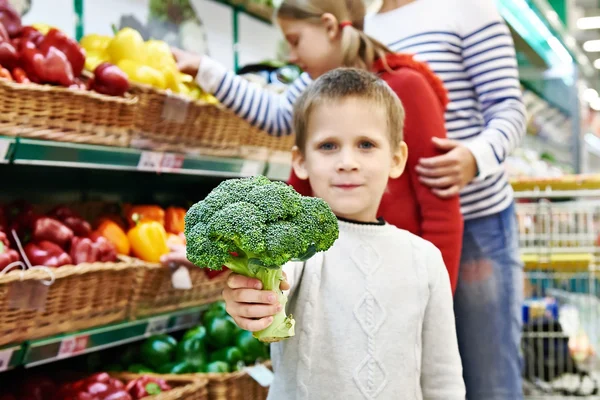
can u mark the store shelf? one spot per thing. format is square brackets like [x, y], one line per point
[10, 357]
[61, 347]
[558, 262]
[7, 148]
[61, 154]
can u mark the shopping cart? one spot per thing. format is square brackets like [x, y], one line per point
[559, 244]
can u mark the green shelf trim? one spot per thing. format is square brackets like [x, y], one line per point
[7, 149]
[69, 345]
[11, 357]
[62, 154]
[248, 11]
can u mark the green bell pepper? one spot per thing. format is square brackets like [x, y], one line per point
[158, 350]
[217, 310]
[192, 351]
[197, 332]
[176, 368]
[217, 367]
[252, 348]
[221, 332]
[230, 355]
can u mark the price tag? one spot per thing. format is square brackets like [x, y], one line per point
[72, 346]
[187, 320]
[4, 145]
[150, 161]
[157, 325]
[5, 357]
[172, 161]
[181, 279]
[261, 374]
[251, 168]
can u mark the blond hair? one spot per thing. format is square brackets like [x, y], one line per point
[358, 49]
[343, 83]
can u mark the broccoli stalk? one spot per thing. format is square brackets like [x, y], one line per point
[254, 226]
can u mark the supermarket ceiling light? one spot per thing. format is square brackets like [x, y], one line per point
[595, 104]
[590, 95]
[588, 23]
[592, 46]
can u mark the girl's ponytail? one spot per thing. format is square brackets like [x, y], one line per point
[360, 50]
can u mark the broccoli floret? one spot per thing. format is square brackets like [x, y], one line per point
[253, 227]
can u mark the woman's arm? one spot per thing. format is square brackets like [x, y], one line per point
[489, 58]
[441, 368]
[264, 109]
[441, 219]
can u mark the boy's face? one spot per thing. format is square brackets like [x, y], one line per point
[348, 157]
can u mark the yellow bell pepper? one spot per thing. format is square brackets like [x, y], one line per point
[93, 59]
[95, 44]
[158, 55]
[127, 44]
[143, 74]
[148, 241]
[43, 28]
[185, 78]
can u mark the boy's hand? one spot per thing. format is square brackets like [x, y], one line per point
[251, 307]
[449, 173]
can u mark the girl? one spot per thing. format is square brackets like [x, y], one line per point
[326, 34]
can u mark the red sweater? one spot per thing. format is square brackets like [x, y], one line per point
[407, 203]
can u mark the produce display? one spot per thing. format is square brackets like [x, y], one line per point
[217, 345]
[45, 55]
[100, 386]
[146, 62]
[254, 226]
[63, 237]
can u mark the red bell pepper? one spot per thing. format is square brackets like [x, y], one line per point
[110, 80]
[8, 55]
[71, 49]
[96, 387]
[71, 219]
[46, 228]
[146, 386]
[20, 76]
[83, 250]
[106, 251]
[28, 37]
[3, 34]
[10, 18]
[7, 256]
[48, 66]
[46, 253]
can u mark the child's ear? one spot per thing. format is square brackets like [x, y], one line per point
[331, 25]
[399, 161]
[299, 164]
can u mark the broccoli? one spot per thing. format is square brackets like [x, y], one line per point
[253, 227]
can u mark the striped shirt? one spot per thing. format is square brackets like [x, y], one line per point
[468, 45]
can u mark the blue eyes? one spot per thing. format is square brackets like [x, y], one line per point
[332, 146]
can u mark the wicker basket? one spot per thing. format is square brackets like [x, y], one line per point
[154, 293]
[169, 122]
[231, 386]
[56, 113]
[81, 297]
[184, 388]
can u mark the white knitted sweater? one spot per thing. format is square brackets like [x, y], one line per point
[374, 320]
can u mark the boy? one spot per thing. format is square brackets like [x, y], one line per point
[374, 313]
